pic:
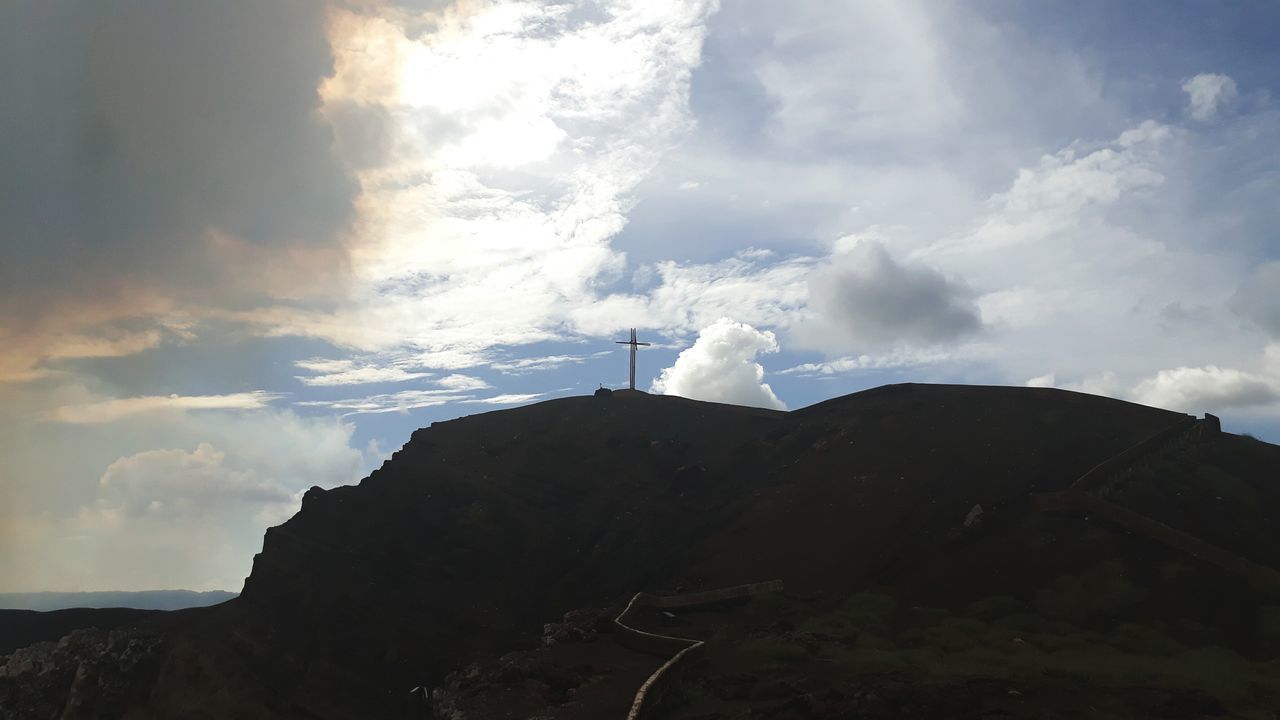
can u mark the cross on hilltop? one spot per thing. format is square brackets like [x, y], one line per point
[634, 346]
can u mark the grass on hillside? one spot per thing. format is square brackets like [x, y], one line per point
[1005, 638]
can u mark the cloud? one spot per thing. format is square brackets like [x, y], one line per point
[721, 367]
[894, 359]
[1258, 298]
[177, 482]
[496, 232]
[1064, 191]
[455, 390]
[161, 500]
[1196, 389]
[28, 356]
[1207, 93]
[863, 298]
[120, 321]
[107, 411]
[751, 286]
[908, 96]
[401, 402]
[101, 346]
[519, 366]
[462, 383]
[156, 156]
[507, 399]
[346, 372]
[133, 132]
[1047, 380]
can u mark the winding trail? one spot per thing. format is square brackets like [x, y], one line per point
[677, 650]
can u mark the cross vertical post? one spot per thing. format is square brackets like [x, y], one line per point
[634, 346]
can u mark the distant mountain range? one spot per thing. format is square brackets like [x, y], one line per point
[142, 600]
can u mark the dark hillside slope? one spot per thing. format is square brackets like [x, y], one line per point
[874, 478]
[1229, 491]
[482, 528]
[20, 628]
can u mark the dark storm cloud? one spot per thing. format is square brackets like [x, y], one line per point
[133, 129]
[362, 132]
[865, 300]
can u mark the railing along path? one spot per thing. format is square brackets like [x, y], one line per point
[677, 650]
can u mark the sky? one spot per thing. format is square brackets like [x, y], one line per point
[247, 248]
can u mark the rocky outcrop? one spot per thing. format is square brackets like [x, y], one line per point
[87, 674]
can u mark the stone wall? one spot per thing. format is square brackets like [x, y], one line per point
[1088, 495]
[1106, 471]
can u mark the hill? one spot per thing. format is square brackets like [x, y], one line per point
[20, 628]
[481, 529]
[139, 600]
[27, 618]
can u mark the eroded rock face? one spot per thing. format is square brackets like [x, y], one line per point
[87, 674]
[578, 626]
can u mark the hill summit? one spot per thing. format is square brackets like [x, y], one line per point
[480, 530]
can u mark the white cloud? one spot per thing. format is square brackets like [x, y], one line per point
[462, 383]
[496, 234]
[1196, 389]
[507, 399]
[106, 411]
[1271, 360]
[1063, 191]
[549, 362]
[1207, 93]
[401, 402]
[893, 359]
[1081, 264]
[905, 93]
[689, 296]
[180, 483]
[346, 372]
[325, 366]
[1047, 380]
[184, 505]
[721, 367]
[462, 356]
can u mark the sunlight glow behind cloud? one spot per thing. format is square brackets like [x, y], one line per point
[106, 411]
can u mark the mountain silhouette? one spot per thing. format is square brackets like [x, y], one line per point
[481, 530]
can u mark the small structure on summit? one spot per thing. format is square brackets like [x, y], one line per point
[1212, 425]
[634, 346]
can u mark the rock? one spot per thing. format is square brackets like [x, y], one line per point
[577, 626]
[974, 518]
[88, 673]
